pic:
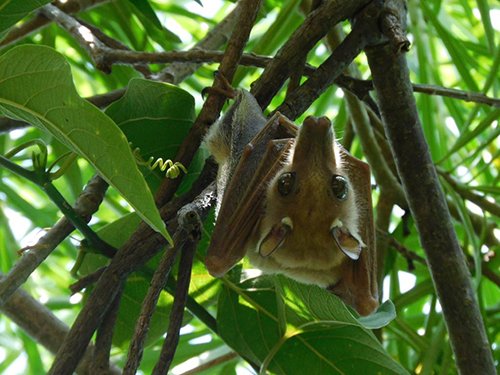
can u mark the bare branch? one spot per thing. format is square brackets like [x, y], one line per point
[190, 225]
[428, 207]
[39, 21]
[158, 282]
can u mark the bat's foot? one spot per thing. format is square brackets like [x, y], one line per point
[223, 88]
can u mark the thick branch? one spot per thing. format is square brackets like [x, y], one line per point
[428, 207]
[316, 25]
[325, 75]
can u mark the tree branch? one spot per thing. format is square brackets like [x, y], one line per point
[213, 104]
[190, 225]
[43, 326]
[139, 248]
[420, 182]
[158, 282]
[70, 6]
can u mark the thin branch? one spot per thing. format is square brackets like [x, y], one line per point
[87, 203]
[411, 256]
[190, 224]
[466, 193]
[104, 337]
[39, 21]
[43, 326]
[215, 38]
[87, 280]
[158, 282]
[428, 206]
[359, 85]
[212, 363]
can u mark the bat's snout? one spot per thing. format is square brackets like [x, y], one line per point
[321, 125]
[315, 141]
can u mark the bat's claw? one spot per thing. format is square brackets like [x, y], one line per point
[231, 94]
[223, 87]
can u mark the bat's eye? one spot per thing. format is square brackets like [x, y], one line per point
[339, 187]
[286, 182]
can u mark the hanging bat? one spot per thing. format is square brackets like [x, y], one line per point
[294, 201]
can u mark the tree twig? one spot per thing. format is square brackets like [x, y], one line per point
[104, 337]
[39, 21]
[190, 224]
[158, 282]
[465, 193]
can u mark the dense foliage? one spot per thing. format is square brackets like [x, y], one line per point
[70, 109]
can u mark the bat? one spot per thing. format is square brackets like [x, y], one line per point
[292, 200]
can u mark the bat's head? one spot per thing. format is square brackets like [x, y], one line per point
[310, 224]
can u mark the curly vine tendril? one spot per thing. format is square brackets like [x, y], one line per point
[173, 170]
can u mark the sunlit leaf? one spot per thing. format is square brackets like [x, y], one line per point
[36, 87]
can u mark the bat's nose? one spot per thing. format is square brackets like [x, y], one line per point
[320, 125]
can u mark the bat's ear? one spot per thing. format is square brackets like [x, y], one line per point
[358, 283]
[347, 242]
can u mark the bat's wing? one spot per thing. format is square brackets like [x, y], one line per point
[358, 285]
[243, 200]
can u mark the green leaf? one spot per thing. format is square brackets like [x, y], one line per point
[325, 348]
[247, 318]
[252, 316]
[145, 9]
[312, 303]
[35, 364]
[12, 11]
[36, 87]
[155, 117]
[151, 23]
[380, 318]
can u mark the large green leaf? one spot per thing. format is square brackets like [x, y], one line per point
[36, 86]
[12, 11]
[155, 117]
[273, 319]
[331, 347]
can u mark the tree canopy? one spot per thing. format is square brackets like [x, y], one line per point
[107, 197]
